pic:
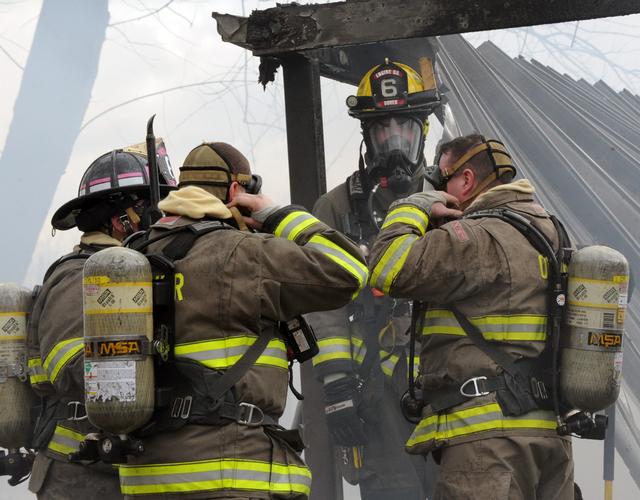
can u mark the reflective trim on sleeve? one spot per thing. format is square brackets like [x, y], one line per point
[293, 224]
[391, 262]
[388, 362]
[65, 440]
[406, 214]
[343, 258]
[359, 349]
[416, 366]
[506, 328]
[37, 375]
[223, 353]
[332, 349]
[61, 354]
[487, 417]
[215, 475]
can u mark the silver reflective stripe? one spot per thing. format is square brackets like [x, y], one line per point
[354, 265]
[477, 419]
[225, 352]
[215, 475]
[224, 474]
[230, 352]
[493, 327]
[332, 349]
[65, 441]
[390, 263]
[419, 221]
[299, 219]
[60, 355]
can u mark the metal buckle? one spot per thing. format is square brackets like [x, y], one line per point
[75, 417]
[181, 407]
[248, 420]
[478, 392]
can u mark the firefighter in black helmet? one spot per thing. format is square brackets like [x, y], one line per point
[364, 349]
[111, 204]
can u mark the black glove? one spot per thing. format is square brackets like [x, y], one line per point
[342, 400]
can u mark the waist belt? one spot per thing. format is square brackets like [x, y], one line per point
[448, 397]
[200, 411]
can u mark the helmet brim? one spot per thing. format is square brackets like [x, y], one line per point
[65, 217]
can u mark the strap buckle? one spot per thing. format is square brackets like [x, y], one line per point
[245, 417]
[75, 406]
[476, 388]
[181, 407]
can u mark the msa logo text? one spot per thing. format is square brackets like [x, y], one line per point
[107, 348]
[605, 339]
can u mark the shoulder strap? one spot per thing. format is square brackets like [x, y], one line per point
[500, 357]
[62, 260]
[557, 292]
[232, 375]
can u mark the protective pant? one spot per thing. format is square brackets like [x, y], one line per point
[388, 472]
[56, 480]
[507, 468]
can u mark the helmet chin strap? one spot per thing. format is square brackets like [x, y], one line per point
[128, 218]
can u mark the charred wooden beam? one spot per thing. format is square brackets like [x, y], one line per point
[293, 27]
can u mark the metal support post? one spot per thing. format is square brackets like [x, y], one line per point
[305, 145]
[609, 453]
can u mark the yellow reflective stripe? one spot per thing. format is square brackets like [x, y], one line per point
[293, 224]
[211, 475]
[359, 349]
[388, 365]
[343, 258]
[37, 375]
[122, 310]
[416, 365]
[412, 216]
[515, 327]
[225, 352]
[332, 349]
[391, 262]
[477, 419]
[61, 354]
[65, 441]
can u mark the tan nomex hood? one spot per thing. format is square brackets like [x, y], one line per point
[195, 203]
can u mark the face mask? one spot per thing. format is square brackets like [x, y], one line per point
[392, 171]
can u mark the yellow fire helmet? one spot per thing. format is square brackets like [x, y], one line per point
[391, 87]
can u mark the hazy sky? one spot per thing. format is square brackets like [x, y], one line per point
[174, 64]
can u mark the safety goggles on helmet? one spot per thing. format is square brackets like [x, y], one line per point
[496, 151]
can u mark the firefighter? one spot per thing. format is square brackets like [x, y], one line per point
[364, 348]
[233, 288]
[485, 287]
[112, 199]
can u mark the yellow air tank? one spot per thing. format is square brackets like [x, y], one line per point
[591, 362]
[16, 397]
[118, 331]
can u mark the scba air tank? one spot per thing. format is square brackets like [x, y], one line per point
[118, 331]
[16, 397]
[591, 363]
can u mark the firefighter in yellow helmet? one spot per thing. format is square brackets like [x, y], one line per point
[485, 367]
[111, 204]
[364, 350]
[236, 290]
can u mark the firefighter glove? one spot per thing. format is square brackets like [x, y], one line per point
[342, 401]
[422, 200]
